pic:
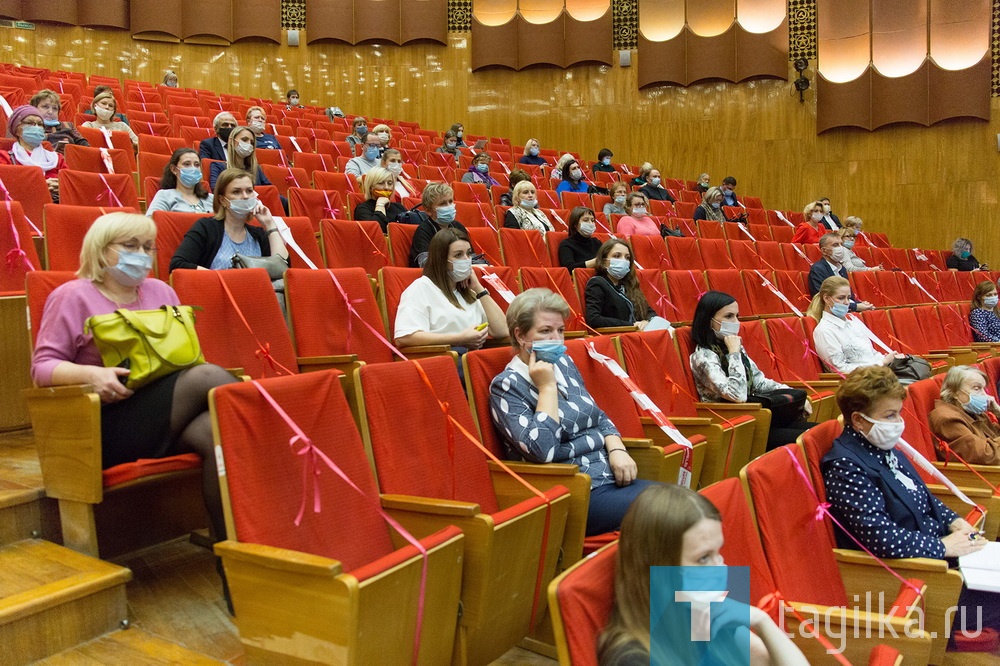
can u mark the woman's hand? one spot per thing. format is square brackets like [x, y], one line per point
[472, 338]
[107, 384]
[733, 343]
[620, 462]
[808, 407]
[890, 357]
[542, 373]
[263, 215]
[473, 282]
[958, 543]
[53, 184]
[641, 324]
[381, 202]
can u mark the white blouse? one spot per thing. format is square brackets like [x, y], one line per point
[843, 344]
[424, 307]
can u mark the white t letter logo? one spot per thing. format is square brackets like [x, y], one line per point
[701, 610]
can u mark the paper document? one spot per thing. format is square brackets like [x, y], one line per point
[981, 569]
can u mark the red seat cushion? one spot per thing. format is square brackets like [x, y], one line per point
[119, 474]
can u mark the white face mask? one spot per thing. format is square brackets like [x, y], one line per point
[384, 136]
[244, 149]
[727, 328]
[104, 114]
[884, 434]
[461, 269]
[257, 125]
[587, 229]
[838, 254]
[394, 168]
[816, 217]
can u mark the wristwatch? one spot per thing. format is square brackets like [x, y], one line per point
[276, 230]
[482, 294]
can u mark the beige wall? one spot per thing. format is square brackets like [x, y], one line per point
[923, 186]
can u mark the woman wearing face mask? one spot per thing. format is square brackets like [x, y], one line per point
[459, 131]
[877, 494]
[525, 214]
[450, 145]
[724, 372]
[544, 413]
[515, 177]
[164, 418]
[384, 134]
[27, 127]
[842, 343]
[603, 162]
[703, 183]
[810, 231]
[961, 258]
[984, 316]
[57, 133]
[479, 171]
[572, 178]
[644, 170]
[619, 193]
[392, 161]
[531, 156]
[170, 79]
[579, 249]
[438, 206]
[378, 205]
[181, 189]
[852, 262]
[638, 221]
[654, 190]
[613, 295]
[448, 305]
[710, 207]
[105, 107]
[257, 121]
[242, 154]
[211, 242]
[359, 130]
[672, 526]
[962, 417]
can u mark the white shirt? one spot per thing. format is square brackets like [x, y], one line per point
[359, 166]
[424, 307]
[843, 344]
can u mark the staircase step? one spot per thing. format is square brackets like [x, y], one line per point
[53, 598]
[131, 647]
[26, 513]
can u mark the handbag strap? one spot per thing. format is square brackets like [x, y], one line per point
[182, 315]
[141, 326]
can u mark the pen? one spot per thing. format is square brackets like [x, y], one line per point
[975, 535]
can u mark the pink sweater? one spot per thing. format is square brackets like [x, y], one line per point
[642, 226]
[60, 335]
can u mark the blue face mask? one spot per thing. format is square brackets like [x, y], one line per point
[371, 153]
[528, 203]
[446, 214]
[840, 309]
[606, 161]
[33, 135]
[716, 205]
[362, 129]
[533, 152]
[654, 181]
[51, 123]
[977, 404]
[618, 268]
[705, 578]
[548, 351]
[483, 168]
[991, 301]
[132, 268]
[849, 243]
[190, 176]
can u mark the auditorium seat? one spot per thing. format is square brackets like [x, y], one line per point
[472, 193]
[500, 281]
[879, 323]
[26, 185]
[348, 243]
[573, 199]
[921, 329]
[762, 301]
[65, 226]
[316, 205]
[685, 287]
[284, 177]
[800, 257]
[865, 287]
[475, 214]
[715, 253]
[889, 288]
[17, 248]
[771, 255]
[743, 254]
[400, 238]
[710, 229]
[486, 242]
[80, 188]
[92, 159]
[684, 254]
[312, 162]
[559, 281]
[151, 165]
[581, 600]
[649, 252]
[523, 247]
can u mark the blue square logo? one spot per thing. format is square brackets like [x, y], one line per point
[699, 616]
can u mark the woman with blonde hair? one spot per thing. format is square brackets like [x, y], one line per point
[105, 107]
[710, 207]
[966, 417]
[531, 156]
[392, 160]
[842, 343]
[524, 214]
[384, 134]
[256, 121]
[672, 526]
[852, 262]
[377, 188]
[984, 317]
[810, 231]
[961, 257]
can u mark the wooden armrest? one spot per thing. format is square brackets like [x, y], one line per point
[535, 469]
[426, 349]
[615, 330]
[909, 564]
[338, 359]
[819, 384]
[281, 559]
[441, 507]
[739, 407]
[637, 443]
[830, 377]
[66, 391]
[688, 420]
[574, 335]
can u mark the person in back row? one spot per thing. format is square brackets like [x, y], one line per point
[961, 258]
[531, 154]
[181, 189]
[811, 230]
[359, 130]
[729, 192]
[256, 121]
[217, 147]
[613, 295]
[654, 190]
[603, 162]
[377, 188]
[831, 264]
[438, 205]
[56, 133]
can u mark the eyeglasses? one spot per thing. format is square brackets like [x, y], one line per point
[135, 246]
[32, 123]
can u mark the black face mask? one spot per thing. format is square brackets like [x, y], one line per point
[224, 133]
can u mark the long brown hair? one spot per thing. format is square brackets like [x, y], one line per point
[983, 288]
[630, 282]
[436, 267]
[652, 535]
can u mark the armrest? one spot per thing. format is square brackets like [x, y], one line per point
[281, 559]
[441, 507]
[637, 443]
[830, 377]
[337, 359]
[817, 384]
[910, 564]
[614, 330]
[685, 420]
[535, 469]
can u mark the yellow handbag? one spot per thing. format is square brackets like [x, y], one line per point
[150, 343]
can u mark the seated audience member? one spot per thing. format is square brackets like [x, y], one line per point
[852, 262]
[703, 183]
[613, 295]
[830, 221]
[579, 249]
[961, 258]
[729, 192]
[524, 214]
[170, 79]
[98, 90]
[983, 317]
[640, 178]
[217, 147]
[515, 177]
[619, 193]
[334, 112]
[242, 155]
[392, 161]
[638, 221]
[723, 372]
[56, 133]
[710, 207]
[377, 188]
[961, 418]
[105, 108]
[384, 134]
[831, 264]
[211, 242]
[438, 207]
[26, 126]
[572, 178]
[366, 161]
[181, 189]
[810, 231]
[448, 305]
[479, 171]
[544, 413]
[842, 343]
[292, 100]
[531, 156]
[459, 130]
[672, 526]
[256, 119]
[856, 223]
[653, 190]
[603, 162]
[557, 172]
[450, 145]
[167, 417]
[878, 496]
[359, 130]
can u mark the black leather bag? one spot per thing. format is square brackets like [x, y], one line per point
[787, 405]
[910, 369]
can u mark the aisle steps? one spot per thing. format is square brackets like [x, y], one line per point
[132, 647]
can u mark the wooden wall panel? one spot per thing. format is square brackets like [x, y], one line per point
[157, 19]
[103, 13]
[257, 19]
[329, 20]
[924, 186]
[56, 11]
[207, 22]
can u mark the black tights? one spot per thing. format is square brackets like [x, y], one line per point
[191, 429]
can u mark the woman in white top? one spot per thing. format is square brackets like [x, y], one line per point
[448, 305]
[105, 107]
[842, 343]
[524, 214]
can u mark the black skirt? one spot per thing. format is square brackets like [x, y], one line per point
[139, 426]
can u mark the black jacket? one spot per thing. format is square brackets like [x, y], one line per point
[608, 306]
[202, 242]
[654, 193]
[366, 211]
[422, 239]
[576, 250]
[211, 149]
[820, 271]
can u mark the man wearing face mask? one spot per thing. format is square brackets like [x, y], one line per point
[729, 192]
[831, 264]
[830, 221]
[603, 162]
[214, 148]
[654, 190]
[256, 121]
[703, 183]
[368, 160]
[438, 204]
[961, 417]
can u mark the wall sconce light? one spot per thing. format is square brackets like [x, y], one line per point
[801, 83]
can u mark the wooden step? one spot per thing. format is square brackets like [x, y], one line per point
[53, 598]
[25, 511]
[131, 647]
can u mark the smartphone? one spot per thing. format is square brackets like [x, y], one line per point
[482, 327]
[127, 364]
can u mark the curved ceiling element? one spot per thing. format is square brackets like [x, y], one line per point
[960, 39]
[393, 21]
[708, 18]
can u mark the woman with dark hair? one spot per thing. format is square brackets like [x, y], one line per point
[181, 188]
[613, 295]
[579, 249]
[672, 526]
[479, 171]
[723, 372]
[572, 178]
[603, 162]
[983, 316]
[448, 305]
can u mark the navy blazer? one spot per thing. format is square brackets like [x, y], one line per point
[820, 271]
[268, 141]
[211, 149]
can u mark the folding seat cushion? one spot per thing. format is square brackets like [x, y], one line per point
[316, 205]
[650, 252]
[17, 247]
[729, 281]
[771, 255]
[715, 253]
[762, 300]
[744, 255]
